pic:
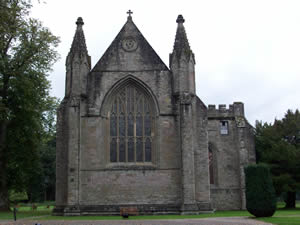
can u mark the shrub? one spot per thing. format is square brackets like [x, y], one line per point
[260, 193]
[17, 196]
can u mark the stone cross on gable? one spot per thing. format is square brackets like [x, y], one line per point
[129, 12]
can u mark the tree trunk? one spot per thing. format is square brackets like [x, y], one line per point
[290, 201]
[4, 201]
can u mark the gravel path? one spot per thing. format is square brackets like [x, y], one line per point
[206, 221]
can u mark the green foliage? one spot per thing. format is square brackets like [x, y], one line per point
[260, 193]
[278, 145]
[41, 186]
[27, 52]
[17, 196]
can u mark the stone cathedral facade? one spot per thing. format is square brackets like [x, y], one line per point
[131, 132]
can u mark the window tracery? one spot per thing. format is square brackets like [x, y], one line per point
[131, 124]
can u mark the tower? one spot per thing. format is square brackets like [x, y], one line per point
[68, 122]
[192, 119]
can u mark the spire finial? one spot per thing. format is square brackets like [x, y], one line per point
[79, 21]
[180, 19]
[181, 44]
[129, 12]
[78, 44]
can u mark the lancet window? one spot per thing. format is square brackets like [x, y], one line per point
[131, 126]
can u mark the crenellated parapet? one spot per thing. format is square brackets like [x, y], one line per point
[233, 110]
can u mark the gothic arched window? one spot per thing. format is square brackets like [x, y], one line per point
[131, 124]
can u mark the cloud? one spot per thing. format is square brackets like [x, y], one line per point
[245, 51]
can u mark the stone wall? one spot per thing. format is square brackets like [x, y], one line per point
[130, 187]
[176, 180]
[201, 154]
[231, 152]
[105, 183]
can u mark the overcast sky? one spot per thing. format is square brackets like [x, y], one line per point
[245, 50]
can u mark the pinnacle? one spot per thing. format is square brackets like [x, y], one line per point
[180, 19]
[78, 44]
[181, 42]
[79, 21]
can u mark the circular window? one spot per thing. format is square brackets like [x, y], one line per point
[129, 44]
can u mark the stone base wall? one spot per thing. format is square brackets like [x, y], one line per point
[129, 186]
[226, 198]
[151, 209]
[146, 209]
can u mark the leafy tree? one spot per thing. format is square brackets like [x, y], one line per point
[48, 164]
[27, 52]
[278, 145]
[41, 183]
[260, 193]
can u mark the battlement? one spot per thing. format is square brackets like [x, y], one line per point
[235, 109]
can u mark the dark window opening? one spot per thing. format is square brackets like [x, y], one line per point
[224, 127]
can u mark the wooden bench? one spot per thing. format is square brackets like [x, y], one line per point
[129, 211]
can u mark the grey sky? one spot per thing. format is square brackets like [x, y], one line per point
[246, 50]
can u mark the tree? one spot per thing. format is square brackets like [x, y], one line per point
[27, 52]
[41, 182]
[48, 164]
[260, 193]
[278, 145]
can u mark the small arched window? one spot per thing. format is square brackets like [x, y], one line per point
[131, 125]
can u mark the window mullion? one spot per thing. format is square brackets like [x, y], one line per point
[118, 128]
[134, 122]
[126, 124]
[132, 102]
[143, 127]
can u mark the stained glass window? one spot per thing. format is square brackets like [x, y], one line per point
[113, 150]
[148, 150]
[139, 150]
[131, 157]
[131, 126]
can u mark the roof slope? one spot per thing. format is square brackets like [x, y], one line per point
[130, 51]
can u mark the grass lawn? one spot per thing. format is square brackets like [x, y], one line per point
[282, 220]
[154, 217]
[25, 210]
[284, 216]
[24, 213]
[281, 217]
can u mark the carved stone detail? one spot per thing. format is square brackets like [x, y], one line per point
[240, 122]
[129, 44]
[74, 101]
[186, 98]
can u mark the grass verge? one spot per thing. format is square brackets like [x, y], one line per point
[281, 217]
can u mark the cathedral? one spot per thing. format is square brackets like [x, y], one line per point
[131, 132]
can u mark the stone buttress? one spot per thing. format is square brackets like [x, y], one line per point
[195, 190]
[68, 124]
